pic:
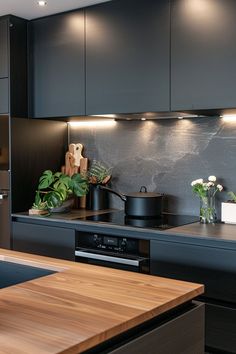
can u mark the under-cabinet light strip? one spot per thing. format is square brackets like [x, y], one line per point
[93, 123]
[229, 117]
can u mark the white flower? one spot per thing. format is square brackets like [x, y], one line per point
[219, 187]
[200, 181]
[212, 178]
[197, 181]
[210, 184]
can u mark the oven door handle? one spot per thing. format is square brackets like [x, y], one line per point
[101, 257]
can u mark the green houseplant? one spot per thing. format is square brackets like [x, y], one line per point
[56, 190]
[98, 173]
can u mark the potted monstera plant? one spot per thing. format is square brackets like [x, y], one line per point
[228, 209]
[56, 191]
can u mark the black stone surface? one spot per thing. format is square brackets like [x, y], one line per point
[15, 273]
[165, 155]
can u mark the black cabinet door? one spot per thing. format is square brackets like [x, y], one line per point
[203, 54]
[3, 48]
[213, 267]
[127, 56]
[44, 240]
[4, 96]
[57, 65]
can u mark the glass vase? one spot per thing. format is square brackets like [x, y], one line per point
[207, 209]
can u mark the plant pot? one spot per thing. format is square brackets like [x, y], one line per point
[65, 207]
[228, 212]
[97, 198]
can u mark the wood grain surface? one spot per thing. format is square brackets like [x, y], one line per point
[219, 231]
[81, 305]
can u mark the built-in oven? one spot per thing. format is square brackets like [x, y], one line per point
[113, 251]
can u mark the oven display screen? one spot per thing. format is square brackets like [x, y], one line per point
[110, 241]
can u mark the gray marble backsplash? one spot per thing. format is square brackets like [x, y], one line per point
[165, 156]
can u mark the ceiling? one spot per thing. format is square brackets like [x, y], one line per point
[29, 9]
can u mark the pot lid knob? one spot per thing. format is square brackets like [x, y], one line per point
[143, 189]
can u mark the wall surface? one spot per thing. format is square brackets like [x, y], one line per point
[164, 155]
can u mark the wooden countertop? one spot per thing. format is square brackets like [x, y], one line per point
[219, 231]
[80, 306]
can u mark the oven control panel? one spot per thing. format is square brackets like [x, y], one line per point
[110, 243]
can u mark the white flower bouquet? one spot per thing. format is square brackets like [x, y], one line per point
[206, 191]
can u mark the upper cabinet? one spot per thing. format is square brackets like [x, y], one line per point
[13, 66]
[3, 48]
[57, 73]
[203, 54]
[127, 57]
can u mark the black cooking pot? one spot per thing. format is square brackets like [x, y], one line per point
[140, 204]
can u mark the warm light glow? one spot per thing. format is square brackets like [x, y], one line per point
[229, 117]
[42, 3]
[143, 118]
[198, 5]
[180, 117]
[104, 115]
[94, 123]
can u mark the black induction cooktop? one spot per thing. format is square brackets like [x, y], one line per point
[165, 221]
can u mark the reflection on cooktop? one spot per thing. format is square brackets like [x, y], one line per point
[166, 221]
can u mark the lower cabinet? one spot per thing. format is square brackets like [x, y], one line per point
[57, 242]
[216, 269]
[221, 327]
[181, 331]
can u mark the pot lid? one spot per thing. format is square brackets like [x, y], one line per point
[143, 193]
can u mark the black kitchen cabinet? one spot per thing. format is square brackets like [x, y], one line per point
[127, 56]
[57, 67]
[57, 242]
[3, 48]
[4, 96]
[203, 54]
[13, 66]
[213, 267]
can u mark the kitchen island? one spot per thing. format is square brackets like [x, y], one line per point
[89, 309]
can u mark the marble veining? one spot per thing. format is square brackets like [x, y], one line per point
[165, 155]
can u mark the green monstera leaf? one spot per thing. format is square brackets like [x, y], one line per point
[46, 180]
[53, 199]
[79, 185]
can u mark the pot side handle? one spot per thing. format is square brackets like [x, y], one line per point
[121, 196]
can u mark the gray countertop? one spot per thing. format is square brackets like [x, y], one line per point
[217, 235]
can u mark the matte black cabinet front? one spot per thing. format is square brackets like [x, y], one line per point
[48, 241]
[4, 96]
[13, 66]
[127, 56]
[203, 54]
[213, 267]
[3, 48]
[57, 65]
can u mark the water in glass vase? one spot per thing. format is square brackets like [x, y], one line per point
[207, 209]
